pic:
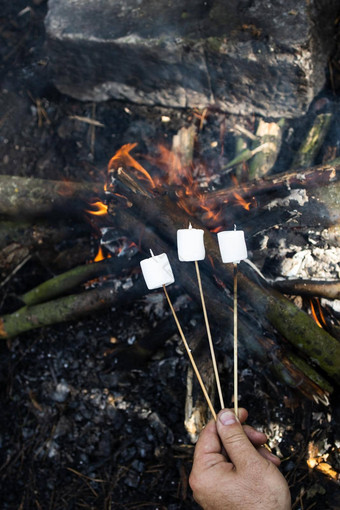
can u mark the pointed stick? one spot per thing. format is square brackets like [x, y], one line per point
[211, 345]
[194, 366]
[235, 343]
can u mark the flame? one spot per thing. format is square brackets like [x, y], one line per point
[174, 169]
[123, 158]
[315, 317]
[170, 162]
[99, 256]
[322, 317]
[101, 209]
[240, 200]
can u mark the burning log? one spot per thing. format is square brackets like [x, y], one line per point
[311, 288]
[31, 197]
[253, 342]
[293, 324]
[316, 179]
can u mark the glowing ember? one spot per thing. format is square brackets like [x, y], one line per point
[316, 460]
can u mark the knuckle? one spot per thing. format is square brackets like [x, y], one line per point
[236, 437]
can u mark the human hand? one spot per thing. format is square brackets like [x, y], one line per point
[232, 471]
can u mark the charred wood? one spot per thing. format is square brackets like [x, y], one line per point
[311, 288]
[253, 343]
[56, 246]
[293, 324]
[324, 176]
[134, 356]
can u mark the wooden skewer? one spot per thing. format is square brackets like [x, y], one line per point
[211, 345]
[235, 343]
[194, 366]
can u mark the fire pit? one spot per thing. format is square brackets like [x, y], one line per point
[99, 406]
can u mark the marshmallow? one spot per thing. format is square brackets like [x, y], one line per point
[232, 245]
[190, 244]
[157, 271]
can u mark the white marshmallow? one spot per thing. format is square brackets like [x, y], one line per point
[157, 271]
[190, 244]
[232, 245]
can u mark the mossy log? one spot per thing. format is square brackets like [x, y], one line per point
[65, 282]
[31, 197]
[68, 308]
[313, 141]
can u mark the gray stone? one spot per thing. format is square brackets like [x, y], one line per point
[243, 56]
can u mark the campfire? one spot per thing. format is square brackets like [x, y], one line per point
[109, 375]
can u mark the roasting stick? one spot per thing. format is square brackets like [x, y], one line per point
[157, 273]
[235, 343]
[211, 345]
[194, 366]
[233, 249]
[190, 247]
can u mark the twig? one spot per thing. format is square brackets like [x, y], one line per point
[211, 345]
[15, 270]
[87, 120]
[194, 366]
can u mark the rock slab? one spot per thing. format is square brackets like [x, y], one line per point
[242, 56]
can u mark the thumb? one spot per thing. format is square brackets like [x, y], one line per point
[236, 444]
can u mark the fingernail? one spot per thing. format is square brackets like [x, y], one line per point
[227, 418]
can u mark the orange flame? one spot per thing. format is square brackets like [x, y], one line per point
[99, 256]
[241, 201]
[101, 209]
[315, 317]
[170, 162]
[322, 317]
[123, 158]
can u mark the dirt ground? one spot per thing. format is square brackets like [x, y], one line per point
[78, 429]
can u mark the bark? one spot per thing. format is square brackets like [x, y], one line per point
[324, 176]
[30, 197]
[313, 141]
[67, 308]
[65, 282]
[310, 288]
[270, 135]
